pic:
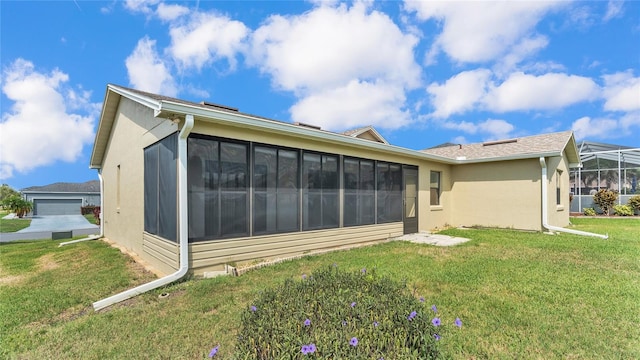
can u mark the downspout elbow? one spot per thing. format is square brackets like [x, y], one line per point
[545, 222]
[183, 237]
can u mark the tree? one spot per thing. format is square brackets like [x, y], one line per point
[6, 192]
[18, 205]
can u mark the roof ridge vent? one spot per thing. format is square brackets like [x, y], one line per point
[316, 127]
[218, 106]
[499, 142]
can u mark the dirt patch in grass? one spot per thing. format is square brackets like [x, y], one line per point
[11, 279]
[47, 262]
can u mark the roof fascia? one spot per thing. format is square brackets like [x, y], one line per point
[109, 107]
[170, 109]
[377, 134]
[144, 100]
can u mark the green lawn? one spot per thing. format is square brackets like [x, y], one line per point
[520, 295]
[12, 225]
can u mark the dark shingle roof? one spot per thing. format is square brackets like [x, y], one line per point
[89, 186]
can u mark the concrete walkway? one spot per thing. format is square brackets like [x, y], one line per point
[433, 239]
[57, 223]
[44, 227]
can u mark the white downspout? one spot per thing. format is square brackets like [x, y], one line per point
[183, 236]
[101, 234]
[545, 223]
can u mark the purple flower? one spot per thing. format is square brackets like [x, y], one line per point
[312, 348]
[434, 308]
[307, 322]
[421, 298]
[436, 322]
[214, 351]
[412, 315]
[353, 304]
[364, 270]
[353, 341]
[458, 322]
[436, 336]
[304, 276]
[335, 265]
[253, 308]
[375, 323]
[305, 349]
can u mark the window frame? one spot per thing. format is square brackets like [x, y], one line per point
[437, 188]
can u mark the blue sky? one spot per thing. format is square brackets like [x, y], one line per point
[422, 73]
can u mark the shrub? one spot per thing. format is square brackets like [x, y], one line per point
[634, 202]
[89, 209]
[623, 210]
[338, 315]
[589, 212]
[605, 198]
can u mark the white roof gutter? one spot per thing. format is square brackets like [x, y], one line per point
[545, 222]
[183, 236]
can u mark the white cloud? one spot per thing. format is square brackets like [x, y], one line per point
[205, 38]
[170, 12]
[147, 71]
[545, 92]
[492, 128]
[141, 6]
[460, 93]
[621, 92]
[481, 31]
[329, 47]
[614, 9]
[586, 127]
[43, 125]
[349, 66]
[477, 90]
[356, 104]
[520, 52]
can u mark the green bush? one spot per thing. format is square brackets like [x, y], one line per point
[605, 198]
[634, 202]
[338, 315]
[589, 211]
[623, 210]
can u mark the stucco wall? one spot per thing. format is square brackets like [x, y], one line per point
[123, 213]
[502, 194]
[558, 215]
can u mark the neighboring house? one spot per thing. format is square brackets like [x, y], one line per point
[62, 198]
[240, 188]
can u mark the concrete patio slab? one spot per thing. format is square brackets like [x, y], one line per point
[433, 239]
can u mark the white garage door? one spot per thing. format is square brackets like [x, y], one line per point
[57, 207]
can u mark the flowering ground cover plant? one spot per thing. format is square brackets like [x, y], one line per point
[334, 314]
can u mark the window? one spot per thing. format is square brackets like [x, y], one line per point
[217, 184]
[558, 182]
[435, 188]
[389, 192]
[276, 190]
[160, 188]
[359, 192]
[319, 191]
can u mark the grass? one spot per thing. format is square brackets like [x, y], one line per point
[12, 225]
[90, 218]
[520, 295]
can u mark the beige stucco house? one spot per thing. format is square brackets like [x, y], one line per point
[196, 186]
